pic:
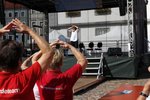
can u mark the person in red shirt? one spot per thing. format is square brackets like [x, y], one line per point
[16, 84]
[55, 84]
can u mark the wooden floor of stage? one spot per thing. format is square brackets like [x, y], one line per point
[85, 82]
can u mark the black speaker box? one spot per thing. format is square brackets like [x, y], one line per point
[114, 52]
[122, 7]
[2, 13]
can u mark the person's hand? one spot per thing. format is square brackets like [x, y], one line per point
[53, 44]
[20, 27]
[63, 44]
[6, 28]
[26, 62]
[74, 26]
[60, 43]
[36, 56]
[149, 68]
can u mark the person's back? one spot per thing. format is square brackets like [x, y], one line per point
[12, 82]
[57, 85]
[17, 86]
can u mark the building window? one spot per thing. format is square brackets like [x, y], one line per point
[4, 37]
[41, 32]
[41, 24]
[33, 23]
[105, 11]
[16, 14]
[9, 14]
[73, 14]
[33, 11]
[10, 37]
[101, 31]
[22, 14]
[68, 34]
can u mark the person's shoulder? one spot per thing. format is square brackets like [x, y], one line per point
[36, 68]
[75, 66]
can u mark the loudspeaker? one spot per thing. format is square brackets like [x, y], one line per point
[2, 13]
[114, 52]
[122, 7]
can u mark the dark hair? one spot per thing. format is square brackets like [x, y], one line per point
[74, 28]
[10, 54]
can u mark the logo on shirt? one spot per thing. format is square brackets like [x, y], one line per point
[9, 91]
[50, 88]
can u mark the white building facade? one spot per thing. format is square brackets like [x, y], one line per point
[21, 14]
[105, 25]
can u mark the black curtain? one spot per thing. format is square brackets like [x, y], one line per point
[140, 27]
[2, 13]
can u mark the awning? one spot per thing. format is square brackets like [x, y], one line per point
[66, 5]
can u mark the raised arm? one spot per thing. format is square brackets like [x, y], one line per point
[78, 55]
[6, 28]
[75, 26]
[69, 28]
[26, 63]
[145, 92]
[46, 51]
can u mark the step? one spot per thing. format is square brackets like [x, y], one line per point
[93, 63]
[91, 68]
[89, 73]
[93, 58]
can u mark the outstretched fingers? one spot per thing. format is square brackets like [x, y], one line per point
[20, 27]
[63, 44]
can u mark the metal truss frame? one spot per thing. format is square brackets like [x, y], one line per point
[131, 52]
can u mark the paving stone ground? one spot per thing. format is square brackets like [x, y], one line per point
[96, 92]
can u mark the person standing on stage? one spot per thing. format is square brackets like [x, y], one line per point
[74, 35]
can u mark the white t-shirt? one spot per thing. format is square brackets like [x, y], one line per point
[74, 35]
[148, 98]
[36, 92]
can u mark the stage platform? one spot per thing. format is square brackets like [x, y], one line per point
[85, 82]
[118, 67]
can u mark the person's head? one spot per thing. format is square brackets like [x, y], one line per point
[57, 60]
[10, 55]
[74, 27]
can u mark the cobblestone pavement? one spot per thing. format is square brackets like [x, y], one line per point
[101, 89]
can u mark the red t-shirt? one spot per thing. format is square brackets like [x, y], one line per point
[55, 85]
[19, 86]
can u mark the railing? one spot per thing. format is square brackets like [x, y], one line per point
[123, 44]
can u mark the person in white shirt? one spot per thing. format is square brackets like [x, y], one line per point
[74, 35]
